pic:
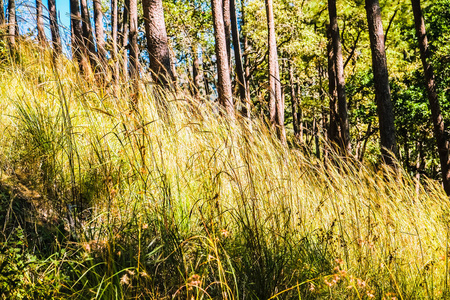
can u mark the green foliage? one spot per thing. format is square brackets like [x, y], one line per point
[22, 274]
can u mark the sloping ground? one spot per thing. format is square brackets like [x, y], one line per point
[175, 201]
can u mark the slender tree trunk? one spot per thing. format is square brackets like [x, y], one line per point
[114, 36]
[333, 129]
[442, 140]
[246, 62]
[99, 35]
[54, 28]
[242, 83]
[300, 114]
[157, 42]
[196, 77]
[340, 81]
[294, 101]
[419, 167]
[381, 82]
[40, 24]
[316, 138]
[125, 37]
[366, 139]
[173, 66]
[224, 79]
[2, 14]
[79, 50]
[276, 103]
[205, 75]
[227, 26]
[76, 30]
[88, 37]
[12, 22]
[134, 50]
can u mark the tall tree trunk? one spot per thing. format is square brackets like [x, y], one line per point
[205, 75]
[381, 82]
[316, 138]
[340, 81]
[442, 141]
[173, 67]
[294, 102]
[40, 24]
[276, 103]
[79, 50]
[300, 114]
[223, 71]
[114, 25]
[2, 14]
[134, 50]
[54, 28]
[245, 56]
[419, 167]
[88, 37]
[12, 22]
[245, 61]
[227, 26]
[245, 99]
[125, 37]
[333, 129]
[157, 43]
[196, 77]
[76, 30]
[99, 35]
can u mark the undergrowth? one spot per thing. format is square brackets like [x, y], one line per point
[177, 201]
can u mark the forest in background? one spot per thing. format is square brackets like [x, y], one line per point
[225, 150]
[312, 109]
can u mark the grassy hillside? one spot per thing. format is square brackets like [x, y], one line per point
[174, 201]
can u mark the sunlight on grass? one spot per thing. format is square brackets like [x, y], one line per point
[173, 200]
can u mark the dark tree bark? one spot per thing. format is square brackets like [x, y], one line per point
[114, 53]
[333, 129]
[76, 29]
[134, 49]
[88, 37]
[419, 166]
[381, 81]
[196, 77]
[223, 71]
[227, 26]
[276, 102]
[339, 79]
[316, 137]
[173, 66]
[54, 28]
[125, 37]
[205, 66]
[40, 24]
[2, 13]
[99, 35]
[442, 140]
[245, 60]
[242, 83]
[79, 50]
[294, 102]
[12, 22]
[157, 42]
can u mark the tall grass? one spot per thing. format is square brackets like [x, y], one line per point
[177, 201]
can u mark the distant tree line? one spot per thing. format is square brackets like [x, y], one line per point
[245, 87]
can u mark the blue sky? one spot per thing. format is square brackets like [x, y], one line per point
[63, 8]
